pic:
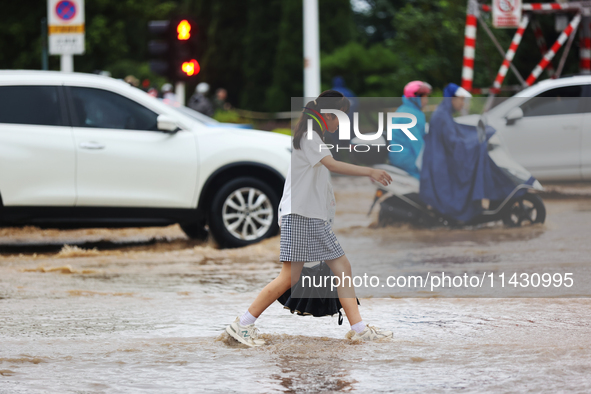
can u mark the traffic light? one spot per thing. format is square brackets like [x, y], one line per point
[184, 49]
[190, 68]
[174, 48]
[159, 47]
[183, 29]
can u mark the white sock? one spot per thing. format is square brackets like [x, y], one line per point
[247, 319]
[358, 327]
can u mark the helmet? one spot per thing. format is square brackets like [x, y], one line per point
[167, 87]
[416, 89]
[453, 90]
[203, 87]
[461, 92]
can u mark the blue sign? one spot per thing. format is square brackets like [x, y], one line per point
[65, 9]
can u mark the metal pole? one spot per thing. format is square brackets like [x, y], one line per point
[67, 63]
[541, 41]
[180, 92]
[571, 38]
[44, 54]
[311, 49]
[550, 54]
[500, 49]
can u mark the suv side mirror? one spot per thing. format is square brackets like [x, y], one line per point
[514, 115]
[167, 124]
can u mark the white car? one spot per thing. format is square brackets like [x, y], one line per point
[547, 128]
[82, 150]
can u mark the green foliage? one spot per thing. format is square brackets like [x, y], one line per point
[287, 71]
[20, 35]
[228, 116]
[116, 35]
[367, 70]
[401, 41]
[257, 57]
[429, 37]
[336, 24]
[223, 56]
[336, 29]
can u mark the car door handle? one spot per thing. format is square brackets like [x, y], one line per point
[91, 145]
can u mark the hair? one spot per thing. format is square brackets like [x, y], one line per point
[329, 99]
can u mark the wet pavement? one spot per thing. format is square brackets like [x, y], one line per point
[132, 310]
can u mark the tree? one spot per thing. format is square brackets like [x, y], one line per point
[116, 35]
[336, 29]
[260, 36]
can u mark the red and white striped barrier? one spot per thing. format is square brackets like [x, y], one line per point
[469, 51]
[541, 41]
[541, 6]
[552, 52]
[510, 54]
[550, 6]
[480, 91]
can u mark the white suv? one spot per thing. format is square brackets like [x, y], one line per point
[81, 150]
[547, 128]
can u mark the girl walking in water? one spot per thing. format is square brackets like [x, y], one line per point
[306, 211]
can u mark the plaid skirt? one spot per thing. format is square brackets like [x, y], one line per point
[306, 239]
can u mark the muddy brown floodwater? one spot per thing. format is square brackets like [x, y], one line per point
[135, 310]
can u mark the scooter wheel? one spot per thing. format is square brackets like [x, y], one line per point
[529, 209]
[384, 216]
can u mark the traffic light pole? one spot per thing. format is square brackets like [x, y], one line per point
[180, 92]
[311, 49]
[44, 49]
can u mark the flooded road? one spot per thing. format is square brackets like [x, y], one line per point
[132, 310]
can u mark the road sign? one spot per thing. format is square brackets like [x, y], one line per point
[506, 13]
[65, 27]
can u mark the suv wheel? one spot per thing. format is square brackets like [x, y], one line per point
[243, 212]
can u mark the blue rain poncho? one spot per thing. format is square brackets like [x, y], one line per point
[457, 172]
[407, 158]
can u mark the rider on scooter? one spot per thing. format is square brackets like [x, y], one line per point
[458, 177]
[415, 98]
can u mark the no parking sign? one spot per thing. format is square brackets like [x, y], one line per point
[65, 27]
[506, 13]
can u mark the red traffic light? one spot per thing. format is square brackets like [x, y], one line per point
[190, 68]
[174, 48]
[184, 30]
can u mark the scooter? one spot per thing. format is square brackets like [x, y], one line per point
[400, 201]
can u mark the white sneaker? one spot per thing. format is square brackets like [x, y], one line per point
[370, 333]
[248, 335]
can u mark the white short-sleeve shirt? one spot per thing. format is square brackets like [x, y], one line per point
[308, 191]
